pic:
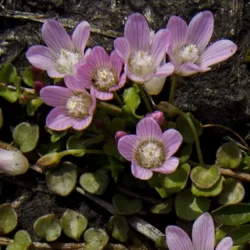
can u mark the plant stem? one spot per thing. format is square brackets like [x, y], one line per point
[109, 108]
[118, 99]
[145, 99]
[241, 176]
[172, 89]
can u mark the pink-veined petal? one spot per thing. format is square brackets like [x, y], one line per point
[164, 70]
[200, 29]
[188, 69]
[148, 128]
[116, 62]
[98, 57]
[72, 82]
[203, 235]
[101, 95]
[84, 75]
[155, 85]
[126, 146]
[121, 83]
[122, 48]
[80, 124]
[80, 36]
[177, 239]
[225, 244]
[137, 32]
[139, 172]
[53, 73]
[217, 52]
[169, 166]
[55, 36]
[135, 78]
[172, 140]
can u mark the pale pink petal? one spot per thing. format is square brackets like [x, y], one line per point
[177, 239]
[53, 73]
[225, 244]
[200, 29]
[121, 83]
[81, 124]
[169, 166]
[55, 96]
[217, 52]
[122, 48]
[203, 235]
[159, 46]
[155, 85]
[188, 69]
[104, 96]
[178, 29]
[137, 32]
[55, 36]
[41, 57]
[148, 128]
[93, 106]
[72, 82]
[58, 119]
[135, 78]
[84, 75]
[126, 146]
[139, 172]
[80, 36]
[164, 70]
[116, 62]
[172, 140]
[98, 57]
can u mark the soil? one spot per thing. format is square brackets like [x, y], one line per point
[220, 96]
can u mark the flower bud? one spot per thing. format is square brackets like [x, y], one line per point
[169, 109]
[38, 85]
[119, 135]
[13, 162]
[158, 116]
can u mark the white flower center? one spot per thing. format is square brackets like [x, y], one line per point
[150, 154]
[141, 64]
[188, 53]
[66, 60]
[78, 105]
[104, 79]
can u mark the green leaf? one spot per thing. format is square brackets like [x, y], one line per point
[33, 105]
[95, 239]
[73, 224]
[162, 208]
[110, 148]
[233, 192]
[161, 243]
[10, 95]
[47, 227]
[229, 156]
[126, 206]
[95, 183]
[117, 124]
[100, 123]
[185, 130]
[156, 183]
[22, 241]
[8, 218]
[119, 228]
[205, 178]
[28, 76]
[56, 135]
[190, 207]
[26, 136]
[132, 100]
[240, 235]
[185, 154]
[8, 73]
[177, 180]
[232, 214]
[62, 179]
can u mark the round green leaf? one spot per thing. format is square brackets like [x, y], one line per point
[22, 241]
[26, 136]
[123, 205]
[119, 228]
[233, 192]
[232, 214]
[8, 219]
[62, 179]
[205, 178]
[47, 227]
[95, 183]
[95, 239]
[177, 180]
[73, 224]
[211, 192]
[229, 155]
[185, 154]
[162, 208]
[190, 207]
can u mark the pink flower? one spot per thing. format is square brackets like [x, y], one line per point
[102, 73]
[74, 106]
[188, 49]
[158, 116]
[143, 54]
[62, 53]
[203, 236]
[150, 149]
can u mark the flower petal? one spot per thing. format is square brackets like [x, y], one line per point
[81, 124]
[188, 69]
[177, 239]
[203, 235]
[100, 94]
[155, 85]
[55, 36]
[148, 128]
[121, 83]
[159, 46]
[225, 244]
[135, 78]
[58, 120]
[169, 166]
[98, 57]
[84, 75]
[217, 52]
[122, 48]
[178, 30]
[126, 146]
[164, 70]
[139, 172]
[200, 29]
[80, 36]
[41, 57]
[137, 32]
[172, 140]
[116, 62]
[55, 96]
[53, 73]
